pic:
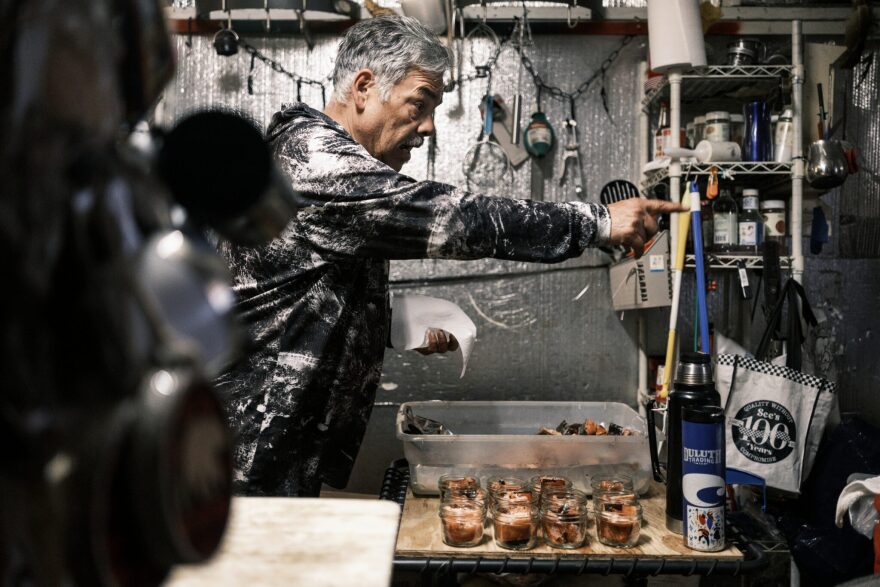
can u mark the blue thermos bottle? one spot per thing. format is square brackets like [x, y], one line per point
[702, 481]
[757, 144]
[693, 387]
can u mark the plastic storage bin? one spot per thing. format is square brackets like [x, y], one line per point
[496, 438]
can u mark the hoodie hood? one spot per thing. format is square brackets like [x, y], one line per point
[291, 114]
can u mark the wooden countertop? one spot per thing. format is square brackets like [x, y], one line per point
[299, 541]
[420, 536]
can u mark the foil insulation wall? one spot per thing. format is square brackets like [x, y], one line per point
[535, 341]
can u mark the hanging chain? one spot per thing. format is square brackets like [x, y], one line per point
[561, 94]
[483, 70]
[278, 68]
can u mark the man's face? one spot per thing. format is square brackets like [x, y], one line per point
[390, 130]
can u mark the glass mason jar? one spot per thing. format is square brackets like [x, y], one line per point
[604, 483]
[457, 482]
[618, 518]
[564, 518]
[541, 483]
[500, 485]
[462, 520]
[515, 519]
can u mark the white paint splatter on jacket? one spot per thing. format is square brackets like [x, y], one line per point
[316, 299]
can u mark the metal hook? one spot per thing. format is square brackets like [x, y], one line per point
[485, 11]
[268, 16]
[577, 20]
[460, 13]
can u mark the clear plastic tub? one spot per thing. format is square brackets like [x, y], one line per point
[495, 438]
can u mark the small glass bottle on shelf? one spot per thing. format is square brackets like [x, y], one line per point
[662, 131]
[724, 218]
[751, 225]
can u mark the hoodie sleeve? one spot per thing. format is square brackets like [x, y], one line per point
[351, 204]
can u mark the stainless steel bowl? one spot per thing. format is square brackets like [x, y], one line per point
[826, 164]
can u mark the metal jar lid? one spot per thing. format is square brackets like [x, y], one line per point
[694, 369]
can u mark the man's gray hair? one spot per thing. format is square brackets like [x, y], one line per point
[390, 46]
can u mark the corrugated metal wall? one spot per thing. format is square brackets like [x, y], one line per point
[535, 341]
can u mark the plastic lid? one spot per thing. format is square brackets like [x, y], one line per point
[699, 120]
[718, 114]
[750, 202]
[737, 118]
[771, 204]
[750, 192]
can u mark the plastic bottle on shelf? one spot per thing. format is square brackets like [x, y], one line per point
[724, 218]
[717, 129]
[784, 137]
[751, 225]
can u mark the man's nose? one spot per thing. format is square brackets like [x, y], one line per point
[426, 127]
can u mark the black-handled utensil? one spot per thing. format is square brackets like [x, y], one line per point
[822, 113]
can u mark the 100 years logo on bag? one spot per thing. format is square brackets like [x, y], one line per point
[764, 431]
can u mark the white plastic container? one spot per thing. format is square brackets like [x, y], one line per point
[501, 438]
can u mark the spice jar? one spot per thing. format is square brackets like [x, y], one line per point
[773, 214]
[717, 128]
[564, 518]
[541, 483]
[462, 520]
[515, 519]
[457, 482]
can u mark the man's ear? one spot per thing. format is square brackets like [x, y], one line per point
[364, 82]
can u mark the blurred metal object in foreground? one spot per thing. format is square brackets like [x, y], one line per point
[115, 456]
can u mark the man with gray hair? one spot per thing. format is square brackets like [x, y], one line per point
[316, 299]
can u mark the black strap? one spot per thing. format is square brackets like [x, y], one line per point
[791, 291]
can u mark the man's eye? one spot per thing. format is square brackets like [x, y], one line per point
[420, 106]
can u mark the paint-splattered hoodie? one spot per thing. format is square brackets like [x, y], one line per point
[316, 299]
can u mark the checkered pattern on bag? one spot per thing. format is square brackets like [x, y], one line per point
[823, 385]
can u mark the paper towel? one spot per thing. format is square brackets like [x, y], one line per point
[412, 316]
[675, 35]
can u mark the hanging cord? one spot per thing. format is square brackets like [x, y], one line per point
[250, 77]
